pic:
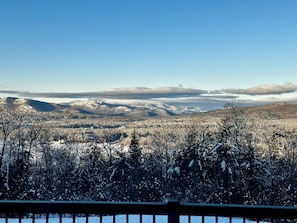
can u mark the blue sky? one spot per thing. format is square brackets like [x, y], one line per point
[73, 46]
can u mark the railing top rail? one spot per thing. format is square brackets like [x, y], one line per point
[86, 207]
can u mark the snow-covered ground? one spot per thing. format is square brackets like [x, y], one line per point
[131, 219]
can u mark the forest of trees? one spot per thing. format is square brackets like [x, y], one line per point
[226, 164]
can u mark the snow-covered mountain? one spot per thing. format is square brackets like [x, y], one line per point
[107, 108]
[130, 108]
[29, 105]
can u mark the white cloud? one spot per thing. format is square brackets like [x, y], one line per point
[264, 89]
[206, 100]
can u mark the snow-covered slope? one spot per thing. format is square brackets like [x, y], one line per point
[130, 108]
[126, 108]
[29, 105]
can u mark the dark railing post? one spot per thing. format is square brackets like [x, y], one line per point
[174, 212]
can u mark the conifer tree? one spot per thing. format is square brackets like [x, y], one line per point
[135, 156]
[135, 153]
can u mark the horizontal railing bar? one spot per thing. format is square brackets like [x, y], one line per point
[150, 208]
[231, 210]
[81, 207]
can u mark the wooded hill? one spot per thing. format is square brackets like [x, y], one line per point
[244, 155]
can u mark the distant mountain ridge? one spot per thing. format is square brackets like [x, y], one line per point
[30, 105]
[97, 107]
[140, 109]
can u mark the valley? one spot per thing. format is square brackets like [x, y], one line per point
[53, 152]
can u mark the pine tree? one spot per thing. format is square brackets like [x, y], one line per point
[135, 158]
[135, 153]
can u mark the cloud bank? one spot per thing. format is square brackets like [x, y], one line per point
[118, 93]
[264, 89]
[161, 92]
[205, 99]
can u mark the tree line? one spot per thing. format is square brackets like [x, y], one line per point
[225, 164]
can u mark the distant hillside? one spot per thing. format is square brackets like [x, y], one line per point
[137, 109]
[96, 107]
[123, 109]
[280, 110]
[29, 105]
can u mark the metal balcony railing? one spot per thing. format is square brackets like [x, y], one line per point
[171, 212]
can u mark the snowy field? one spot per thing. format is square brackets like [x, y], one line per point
[131, 219]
